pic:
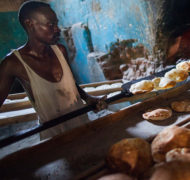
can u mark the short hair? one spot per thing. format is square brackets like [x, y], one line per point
[28, 8]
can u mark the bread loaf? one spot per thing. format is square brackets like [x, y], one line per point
[177, 75]
[174, 170]
[182, 154]
[131, 156]
[185, 66]
[157, 114]
[163, 83]
[181, 106]
[168, 139]
[118, 176]
[142, 87]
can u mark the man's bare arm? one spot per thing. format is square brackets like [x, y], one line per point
[173, 50]
[6, 79]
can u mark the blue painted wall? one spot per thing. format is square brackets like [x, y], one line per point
[108, 20]
[12, 34]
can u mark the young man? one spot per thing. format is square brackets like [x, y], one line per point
[41, 66]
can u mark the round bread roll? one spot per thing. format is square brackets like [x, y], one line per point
[166, 83]
[158, 114]
[131, 156]
[185, 66]
[142, 87]
[168, 139]
[174, 170]
[156, 82]
[181, 106]
[163, 83]
[177, 75]
[181, 154]
[118, 176]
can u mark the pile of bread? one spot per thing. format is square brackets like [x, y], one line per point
[166, 158]
[180, 73]
[162, 113]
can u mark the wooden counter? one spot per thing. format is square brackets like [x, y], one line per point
[67, 155]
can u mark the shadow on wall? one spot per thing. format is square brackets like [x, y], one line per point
[173, 30]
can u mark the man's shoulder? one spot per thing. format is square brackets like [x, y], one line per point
[62, 48]
[10, 61]
[9, 58]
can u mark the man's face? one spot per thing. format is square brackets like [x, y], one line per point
[44, 26]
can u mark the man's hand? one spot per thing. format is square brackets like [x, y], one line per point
[98, 101]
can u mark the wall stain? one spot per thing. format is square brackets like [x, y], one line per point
[96, 6]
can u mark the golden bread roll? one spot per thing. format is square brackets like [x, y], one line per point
[163, 83]
[166, 83]
[118, 176]
[174, 170]
[142, 87]
[131, 156]
[181, 154]
[181, 106]
[185, 66]
[177, 75]
[156, 82]
[168, 139]
[158, 114]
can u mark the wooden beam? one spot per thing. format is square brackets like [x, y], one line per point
[15, 106]
[17, 96]
[100, 83]
[18, 119]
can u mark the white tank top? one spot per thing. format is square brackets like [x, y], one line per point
[53, 99]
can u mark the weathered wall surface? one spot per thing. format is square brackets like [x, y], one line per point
[11, 33]
[107, 21]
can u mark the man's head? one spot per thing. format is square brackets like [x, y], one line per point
[39, 21]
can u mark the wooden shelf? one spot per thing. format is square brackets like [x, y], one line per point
[19, 102]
